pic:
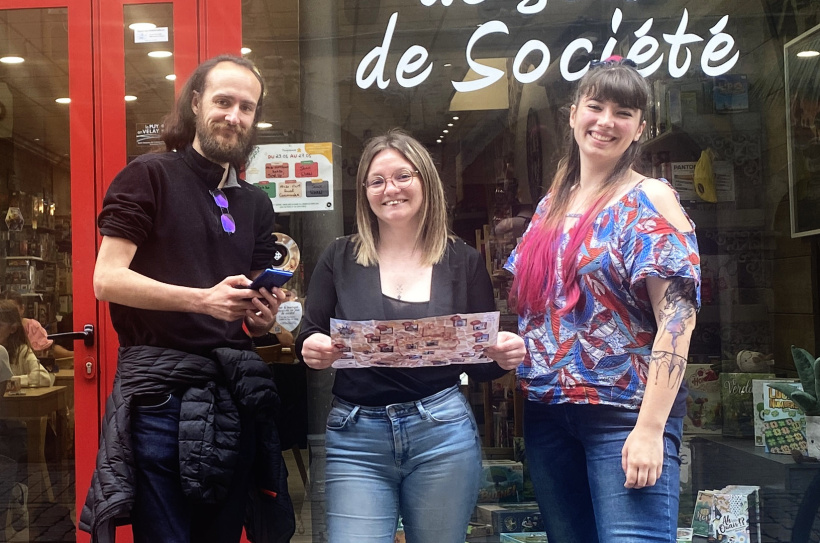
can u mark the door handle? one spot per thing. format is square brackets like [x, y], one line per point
[87, 335]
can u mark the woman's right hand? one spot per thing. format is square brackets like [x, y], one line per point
[318, 351]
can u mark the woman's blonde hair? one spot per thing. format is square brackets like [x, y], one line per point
[10, 314]
[432, 234]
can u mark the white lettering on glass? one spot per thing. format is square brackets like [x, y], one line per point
[530, 9]
[617, 16]
[574, 45]
[644, 48]
[679, 40]
[538, 71]
[413, 68]
[718, 46]
[410, 61]
[379, 55]
[491, 75]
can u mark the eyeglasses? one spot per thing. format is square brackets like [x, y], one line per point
[401, 179]
[614, 60]
[228, 224]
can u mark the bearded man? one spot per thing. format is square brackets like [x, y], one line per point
[187, 440]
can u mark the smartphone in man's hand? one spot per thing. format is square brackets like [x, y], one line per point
[271, 278]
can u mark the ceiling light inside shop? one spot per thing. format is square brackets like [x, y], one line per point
[171, 77]
[447, 64]
[160, 54]
[245, 50]
[455, 118]
[12, 60]
[438, 141]
[142, 26]
[449, 124]
[63, 100]
[263, 125]
[446, 131]
[130, 98]
[808, 54]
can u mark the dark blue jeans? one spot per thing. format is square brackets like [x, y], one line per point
[161, 511]
[574, 458]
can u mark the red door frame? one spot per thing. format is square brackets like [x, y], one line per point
[81, 134]
[221, 27]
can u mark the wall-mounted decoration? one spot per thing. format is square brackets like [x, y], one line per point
[14, 219]
[802, 71]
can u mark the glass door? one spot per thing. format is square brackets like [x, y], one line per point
[47, 249]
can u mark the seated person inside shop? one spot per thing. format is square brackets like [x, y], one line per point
[36, 334]
[5, 372]
[23, 361]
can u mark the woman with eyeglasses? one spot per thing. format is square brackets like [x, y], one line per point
[400, 441]
[606, 286]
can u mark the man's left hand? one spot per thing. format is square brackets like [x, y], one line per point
[260, 321]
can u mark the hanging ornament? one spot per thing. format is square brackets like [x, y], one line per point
[14, 219]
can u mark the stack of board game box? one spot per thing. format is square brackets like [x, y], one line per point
[728, 515]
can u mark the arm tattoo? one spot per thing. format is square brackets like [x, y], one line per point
[678, 307]
[674, 317]
[674, 364]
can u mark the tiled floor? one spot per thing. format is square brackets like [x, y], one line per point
[41, 519]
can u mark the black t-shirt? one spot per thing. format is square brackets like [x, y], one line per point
[342, 289]
[161, 202]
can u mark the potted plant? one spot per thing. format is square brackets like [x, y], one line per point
[806, 399]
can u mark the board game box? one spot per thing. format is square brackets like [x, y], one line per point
[729, 515]
[507, 518]
[737, 404]
[501, 481]
[762, 404]
[703, 405]
[524, 537]
[784, 424]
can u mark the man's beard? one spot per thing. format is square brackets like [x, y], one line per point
[218, 148]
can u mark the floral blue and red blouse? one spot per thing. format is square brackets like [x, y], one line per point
[598, 353]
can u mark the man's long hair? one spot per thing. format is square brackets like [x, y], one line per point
[179, 126]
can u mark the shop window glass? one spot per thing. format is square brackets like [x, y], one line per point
[487, 85]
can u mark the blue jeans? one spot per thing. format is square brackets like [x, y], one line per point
[419, 459]
[574, 458]
[161, 510]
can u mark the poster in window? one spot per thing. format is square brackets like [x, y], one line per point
[296, 176]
